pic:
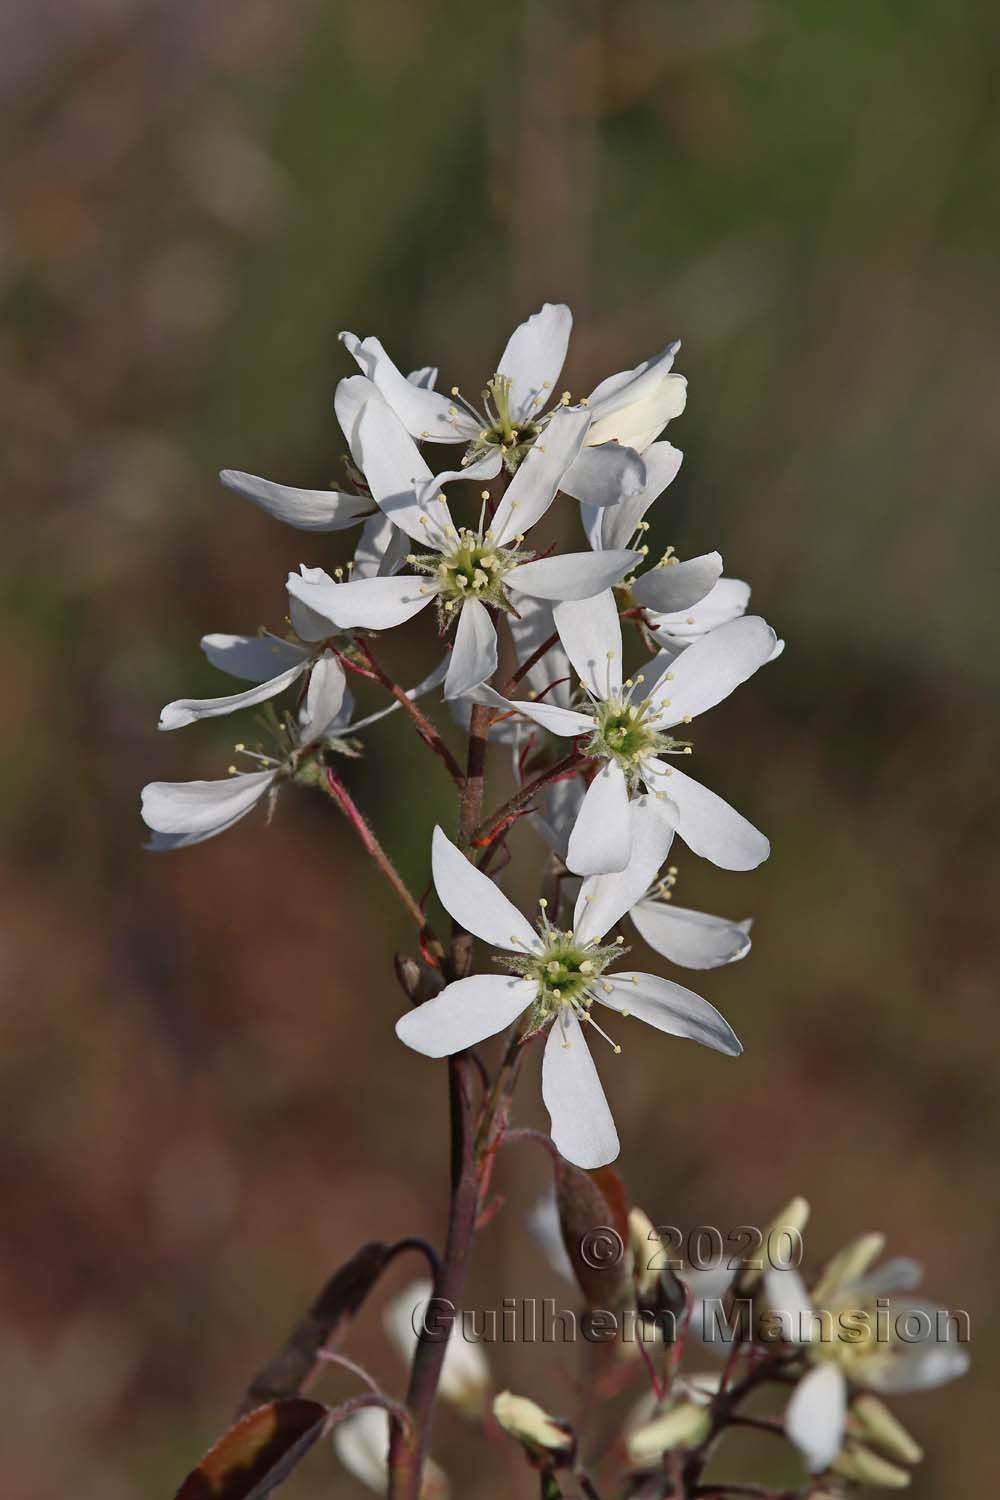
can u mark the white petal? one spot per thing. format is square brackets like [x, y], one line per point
[788, 1298]
[573, 575]
[307, 624]
[562, 721]
[186, 812]
[465, 1373]
[424, 413]
[432, 680]
[425, 377]
[477, 902]
[815, 1415]
[727, 601]
[707, 824]
[563, 800]
[671, 1008]
[367, 603]
[382, 549]
[709, 670]
[534, 357]
[398, 476]
[591, 632]
[474, 656]
[465, 1013]
[582, 1128]
[538, 480]
[254, 658]
[635, 406]
[898, 1275]
[602, 835]
[327, 699]
[187, 710]
[615, 526]
[603, 899]
[923, 1366]
[678, 586]
[309, 510]
[693, 939]
[361, 1442]
[600, 477]
[619, 390]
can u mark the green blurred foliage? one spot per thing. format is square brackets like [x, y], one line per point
[202, 1107]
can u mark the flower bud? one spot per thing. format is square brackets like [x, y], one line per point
[865, 1467]
[882, 1427]
[848, 1265]
[547, 1439]
[792, 1219]
[682, 1426]
[593, 1217]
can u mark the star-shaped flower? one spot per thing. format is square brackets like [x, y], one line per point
[557, 978]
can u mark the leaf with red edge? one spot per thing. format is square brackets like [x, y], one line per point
[258, 1453]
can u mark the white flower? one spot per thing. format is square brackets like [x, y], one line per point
[465, 1374]
[361, 1442]
[463, 570]
[851, 1335]
[624, 408]
[188, 812]
[630, 735]
[558, 977]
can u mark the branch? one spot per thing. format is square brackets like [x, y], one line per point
[354, 816]
[490, 825]
[423, 725]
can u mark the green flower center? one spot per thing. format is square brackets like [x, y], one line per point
[500, 430]
[625, 732]
[473, 569]
[566, 972]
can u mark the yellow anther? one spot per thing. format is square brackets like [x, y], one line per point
[686, 719]
[239, 747]
[484, 494]
[233, 771]
[542, 902]
[455, 391]
[690, 620]
[618, 1051]
[625, 1014]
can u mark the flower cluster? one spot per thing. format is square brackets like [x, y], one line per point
[470, 542]
[589, 668]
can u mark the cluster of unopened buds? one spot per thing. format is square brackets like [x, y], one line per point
[587, 668]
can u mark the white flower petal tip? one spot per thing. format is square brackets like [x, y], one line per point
[474, 655]
[601, 841]
[693, 939]
[534, 357]
[464, 1013]
[188, 812]
[188, 710]
[672, 1009]
[307, 510]
[816, 1415]
[476, 901]
[583, 1130]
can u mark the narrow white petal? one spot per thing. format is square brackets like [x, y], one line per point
[680, 585]
[603, 899]
[474, 656]
[476, 901]
[915, 1367]
[582, 1128]
[615, 526]
[815, 1416]
[309, 510]
[529, 629]
[603, 477]
[424, 413]
[398, 475]
[693, 939]
[254, 658]
[563, 800]
[636, 405]
[707, 824]
[620, 389]
[900, 1274]
[186, 710]
[671, 1008]
[573, 575]
[185, 812]
[327, 699]
[534, 357]
[465, 1013]
[602, 835]
[709, 670]
[539, 478]
[367, 603]
[788, 1298]
[382, 548]
[591, 633]
[562, 721]
[432, 680]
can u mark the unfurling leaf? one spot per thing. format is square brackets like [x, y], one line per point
[258, 1453]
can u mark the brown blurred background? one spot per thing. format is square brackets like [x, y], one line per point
[204, 1109]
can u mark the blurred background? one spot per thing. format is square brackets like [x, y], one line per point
[203, 1109]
